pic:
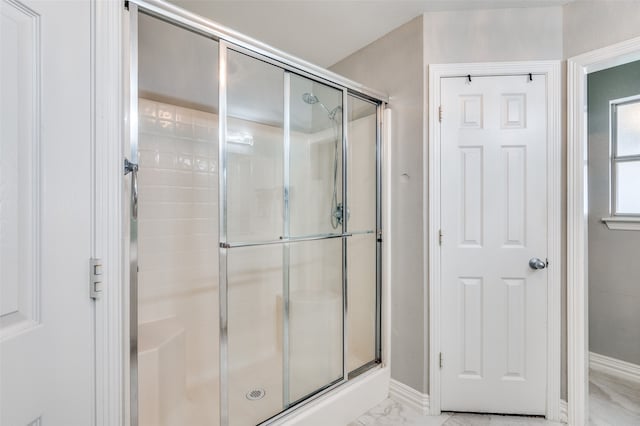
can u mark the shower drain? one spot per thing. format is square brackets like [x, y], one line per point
[255, 394]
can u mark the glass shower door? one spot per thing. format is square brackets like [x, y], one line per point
[283, 250]
[363, 292]
[315, 280]
[282, 256]
[253, 215]
[176, 316]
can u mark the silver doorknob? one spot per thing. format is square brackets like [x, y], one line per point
[536, 263]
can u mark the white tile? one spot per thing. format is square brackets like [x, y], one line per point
[147, 125]
[184, 115]
[166, 112]
[165, 127]
[147, 108]
[184, 130]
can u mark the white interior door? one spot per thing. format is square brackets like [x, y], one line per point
[46, 320]
[494, 220]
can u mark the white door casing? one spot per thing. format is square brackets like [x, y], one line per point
[437, 168]
[46, 322]
[578, 67]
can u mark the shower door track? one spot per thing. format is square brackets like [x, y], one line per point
[229, 39]
[181, 17]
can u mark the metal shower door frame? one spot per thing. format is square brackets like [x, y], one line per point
[227, 40]
[131, 138]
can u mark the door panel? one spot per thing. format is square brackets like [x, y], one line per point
[493, 221]
[46, 324]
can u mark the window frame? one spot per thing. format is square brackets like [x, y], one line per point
[614, 159]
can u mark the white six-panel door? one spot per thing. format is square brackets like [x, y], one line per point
[493, 221]
[46, 315]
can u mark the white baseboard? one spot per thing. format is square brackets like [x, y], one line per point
[564, 411]
[409, 396]
[613, 366]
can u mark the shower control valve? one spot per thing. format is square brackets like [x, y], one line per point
[339, 213]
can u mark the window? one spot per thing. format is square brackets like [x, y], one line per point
[625, 160]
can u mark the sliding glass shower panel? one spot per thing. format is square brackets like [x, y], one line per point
[255, 333]
[361, 295]
[361, 248]
[255, 149]
[361, 187]
[315, 183]
[315, 326]
[177, 299]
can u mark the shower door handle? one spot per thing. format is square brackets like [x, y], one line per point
[132, 168]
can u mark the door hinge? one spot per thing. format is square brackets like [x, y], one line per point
[379, 236]
[95, 278]
[441, 360]
[440, 236]
[440, 114]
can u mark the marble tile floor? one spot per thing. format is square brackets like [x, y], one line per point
[393, 413]
[613, 402]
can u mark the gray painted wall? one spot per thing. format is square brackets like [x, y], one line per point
[614, 270]
[493, 35]
[394, 64]
[592, 24]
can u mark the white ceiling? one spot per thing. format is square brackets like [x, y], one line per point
[326, 31]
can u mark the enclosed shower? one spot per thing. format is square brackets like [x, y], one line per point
[255, 225]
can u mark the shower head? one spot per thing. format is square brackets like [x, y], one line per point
[310, 98]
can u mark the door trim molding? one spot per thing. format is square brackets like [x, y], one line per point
[107, 233]
[432, 197]
[577, 215]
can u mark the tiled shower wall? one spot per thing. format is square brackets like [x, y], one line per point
[178, 265]
[178, 228]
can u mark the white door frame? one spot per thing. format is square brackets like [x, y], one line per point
[577, 215]
[107, 239]
[432, 158]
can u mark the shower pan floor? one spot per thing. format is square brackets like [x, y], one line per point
[203, 399]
